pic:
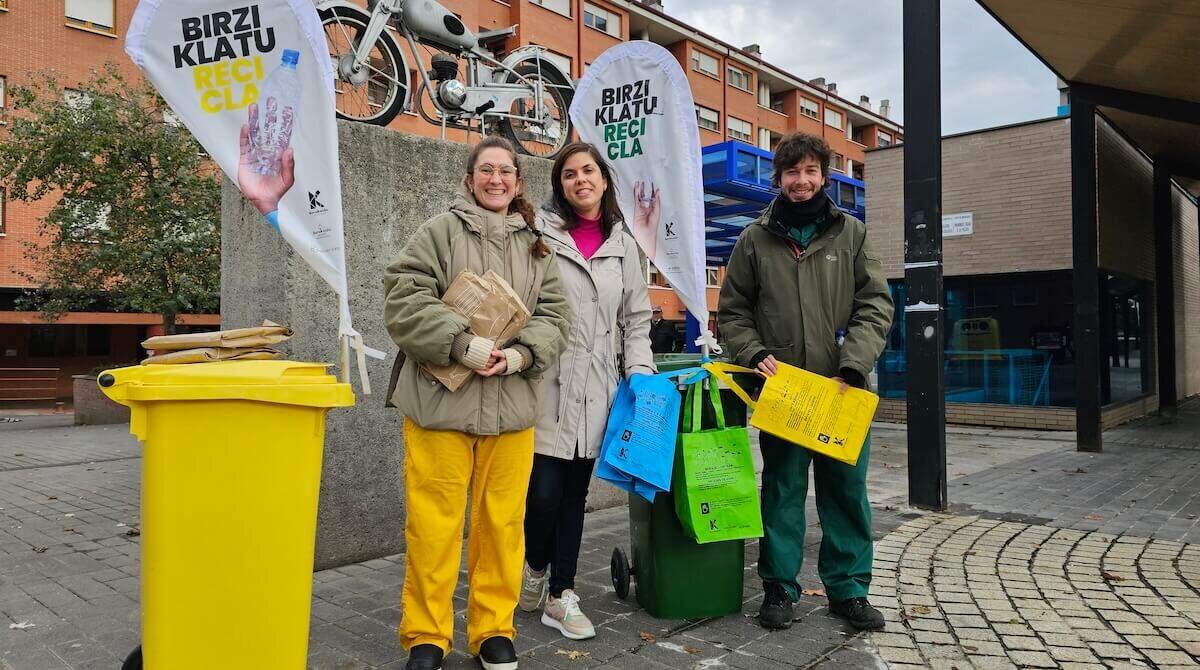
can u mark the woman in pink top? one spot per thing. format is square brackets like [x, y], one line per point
[601, 271]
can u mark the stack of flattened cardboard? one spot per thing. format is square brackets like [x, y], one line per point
[241, 344]
[495, 311]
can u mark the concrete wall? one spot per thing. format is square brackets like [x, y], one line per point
[391, 183]
[92, 407]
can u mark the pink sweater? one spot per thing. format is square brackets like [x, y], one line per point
[587, 236]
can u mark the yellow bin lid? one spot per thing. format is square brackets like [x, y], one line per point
[280, 382]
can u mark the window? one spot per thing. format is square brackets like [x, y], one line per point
[764, 139]
[883, 139]
[602, 20]
[560, 6]
[777, 103]
[99, 340]
[836, 162]
[833, 118]
[764, 94]
[810, 108]
[709, 119]
[845, 194]
[3, 5]
[740, 130]
[3, 100]
[560, 61]
[738, 78]
[96, 14]
[3, 227]
[712, 276]
[702, 62]
[1024, 295]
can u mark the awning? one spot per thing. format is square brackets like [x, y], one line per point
[1138, 59]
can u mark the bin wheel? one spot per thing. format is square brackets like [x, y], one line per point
[619, 567]
[134, 660]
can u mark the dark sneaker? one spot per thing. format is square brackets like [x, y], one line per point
[424, 657]
[497, 653]
[776, 611]
[858, 613]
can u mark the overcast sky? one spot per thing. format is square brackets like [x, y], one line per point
[988, 78]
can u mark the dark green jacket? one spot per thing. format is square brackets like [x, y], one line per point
[789, 306]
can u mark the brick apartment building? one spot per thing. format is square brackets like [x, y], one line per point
[1006, 199]
[738, 94]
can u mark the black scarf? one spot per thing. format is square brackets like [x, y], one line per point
[801, 222]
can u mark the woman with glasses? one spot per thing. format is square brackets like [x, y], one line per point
[479, 437]
[604, 282]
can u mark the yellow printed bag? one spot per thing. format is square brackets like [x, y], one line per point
[807, 409]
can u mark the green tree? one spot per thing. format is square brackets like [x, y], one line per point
[137, 219]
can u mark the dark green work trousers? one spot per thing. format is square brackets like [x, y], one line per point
[846, 551]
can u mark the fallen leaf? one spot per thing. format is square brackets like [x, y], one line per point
[1076, 471]
[889, 508]
[20, 625]
[68, 530]
[1191, 516]
[1033, 469]
[691, 650]
[1110, 577]
[648, 637]
[968, 647]
[812, 592]
[572, 654]
[18, 454]
[889, 466]
[1094, 517]
[921, 609]
[132, 532]
[51, 497]
[40, 550]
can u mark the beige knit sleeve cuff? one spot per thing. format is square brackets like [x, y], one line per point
[516, 362]
[471, 350]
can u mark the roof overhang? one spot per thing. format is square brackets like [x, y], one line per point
[1136, 59]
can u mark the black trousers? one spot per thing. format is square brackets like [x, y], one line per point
[554, 517]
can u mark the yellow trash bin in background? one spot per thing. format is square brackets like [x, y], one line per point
[231, 470]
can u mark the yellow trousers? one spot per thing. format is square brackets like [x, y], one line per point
[439, 467]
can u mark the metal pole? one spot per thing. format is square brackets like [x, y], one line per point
[1085, 259]
[924, 318]
[1164, 289]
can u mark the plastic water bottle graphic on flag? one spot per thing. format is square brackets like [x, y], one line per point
[254, 83]
[635, 105]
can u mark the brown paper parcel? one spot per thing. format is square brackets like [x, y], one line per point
[495, 311]
[239, 338]
[211, 354]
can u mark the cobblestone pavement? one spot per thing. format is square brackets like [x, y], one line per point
[69, 567]
[965, 592]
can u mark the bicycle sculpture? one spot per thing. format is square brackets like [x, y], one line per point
[525, 96]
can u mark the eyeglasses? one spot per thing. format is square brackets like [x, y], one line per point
[505, 171]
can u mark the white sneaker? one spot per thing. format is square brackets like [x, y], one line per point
[564, 615]
[533, 588]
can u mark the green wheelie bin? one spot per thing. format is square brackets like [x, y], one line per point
[676, 577]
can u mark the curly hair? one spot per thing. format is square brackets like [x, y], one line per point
[795, 148]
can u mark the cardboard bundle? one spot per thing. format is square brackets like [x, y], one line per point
[239, 344]
[495, 312]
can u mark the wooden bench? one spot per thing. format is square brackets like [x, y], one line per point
[28, 384]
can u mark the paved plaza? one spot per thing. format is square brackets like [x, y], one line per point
[1048, 558]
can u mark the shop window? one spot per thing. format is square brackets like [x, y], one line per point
[99, 340]
[1024, 295]
[983, 296]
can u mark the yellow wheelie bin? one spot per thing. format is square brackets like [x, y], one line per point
[231, 470]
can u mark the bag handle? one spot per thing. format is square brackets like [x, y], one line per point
[714, 393]
[691, 410]
[721, 371]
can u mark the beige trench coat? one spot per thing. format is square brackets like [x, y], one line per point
[610, 311]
